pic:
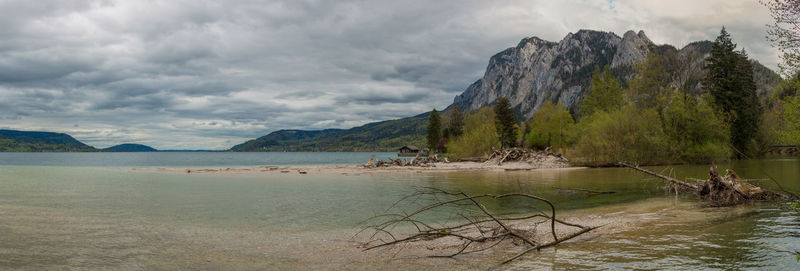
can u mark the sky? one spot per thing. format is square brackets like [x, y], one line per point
[199, 74]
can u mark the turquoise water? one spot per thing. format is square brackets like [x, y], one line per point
[116, 217]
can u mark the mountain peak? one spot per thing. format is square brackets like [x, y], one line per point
[537, 70]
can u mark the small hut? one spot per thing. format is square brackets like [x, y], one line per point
[408, 150]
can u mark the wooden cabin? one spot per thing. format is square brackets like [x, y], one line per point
[408, 150]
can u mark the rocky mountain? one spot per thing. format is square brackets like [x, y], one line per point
[534, 71]
[537, 70]
[130, 148]
[26, 141]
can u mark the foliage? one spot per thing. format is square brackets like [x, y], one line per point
[455, 122]
[729, 79]
[790, 119]
[552, 126]
[479, 136]
[433, 133]
[649, 85]
[629, 134]
[769, 130]
[785, 32]
[604, 95]
[505, 123]
[695, 131]
[683, 129]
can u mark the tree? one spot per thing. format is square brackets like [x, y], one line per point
[790, 118]
[604, 95]
[695, 132]
[479, 136]
[434, 129]
[729, 79]
[505, 122]
[456, 122]
[649, 87]
[785, 36]
[785, 32]
[552, 126]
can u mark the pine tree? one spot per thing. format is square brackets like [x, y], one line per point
[434, 129]
[505, 122]
[729, 79]
[456, 122]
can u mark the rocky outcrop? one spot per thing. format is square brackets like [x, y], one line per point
[537, 70]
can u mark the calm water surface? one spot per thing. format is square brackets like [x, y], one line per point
[79, 211]
[187, 159]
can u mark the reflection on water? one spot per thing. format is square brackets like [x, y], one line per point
[87, 217]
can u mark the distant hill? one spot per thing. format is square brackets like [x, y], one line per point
[130, 148]
[25, 141]
[378, 136]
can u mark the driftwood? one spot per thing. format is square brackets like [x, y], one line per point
[477, 228]
[527, 155]
[418, 161]
[721, 190]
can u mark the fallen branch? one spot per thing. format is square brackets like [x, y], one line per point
[478, 229]
[671, 180]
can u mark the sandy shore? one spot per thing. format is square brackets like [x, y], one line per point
[360, 169]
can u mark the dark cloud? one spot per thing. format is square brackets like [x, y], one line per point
[209, 74]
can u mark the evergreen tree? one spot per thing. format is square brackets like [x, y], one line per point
[456, 125]
[434, 129]
[729, 79]
[604, 95]
[505, 122]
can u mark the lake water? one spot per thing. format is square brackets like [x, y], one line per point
[187, 159]
[94, 211]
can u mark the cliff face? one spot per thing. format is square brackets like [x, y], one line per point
[537, 70]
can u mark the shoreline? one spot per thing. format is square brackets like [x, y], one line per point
[361, 169]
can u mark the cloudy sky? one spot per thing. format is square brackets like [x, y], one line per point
[199, 74]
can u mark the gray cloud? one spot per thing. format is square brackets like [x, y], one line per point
[210, 74]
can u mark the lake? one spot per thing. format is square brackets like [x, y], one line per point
[94, 211]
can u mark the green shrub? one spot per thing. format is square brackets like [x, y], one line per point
[479, 135]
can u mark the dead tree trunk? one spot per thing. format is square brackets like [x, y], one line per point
[721, 190]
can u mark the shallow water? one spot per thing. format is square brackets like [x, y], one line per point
[56, 217]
